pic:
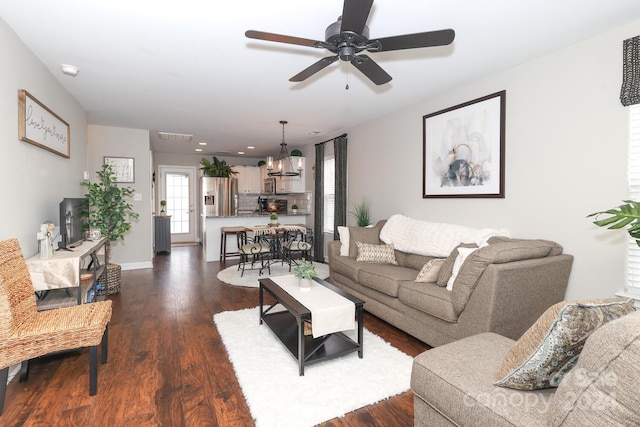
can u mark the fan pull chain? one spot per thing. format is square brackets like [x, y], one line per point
[347, 86]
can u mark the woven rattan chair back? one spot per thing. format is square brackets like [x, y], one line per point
[26, 333]
[17, 299]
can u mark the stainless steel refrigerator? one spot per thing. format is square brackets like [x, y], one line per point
[219, 196]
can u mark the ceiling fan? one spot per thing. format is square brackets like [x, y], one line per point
[349, 36]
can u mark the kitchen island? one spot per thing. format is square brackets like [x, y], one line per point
[211, 229]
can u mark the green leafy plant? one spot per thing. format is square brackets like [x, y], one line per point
[273, 216]
[294, 207]
[620, 217]
[218, 168]
[163, 204]
[362, 213]
[304, 270]
[108, 207]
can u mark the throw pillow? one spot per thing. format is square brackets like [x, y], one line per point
[364, 235]
[376, 253]
[447, 266]
[550, 348]
[429, 272]
[344, 239]
[463, 254]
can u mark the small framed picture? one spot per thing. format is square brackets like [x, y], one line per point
[123, 167]
[94, 234]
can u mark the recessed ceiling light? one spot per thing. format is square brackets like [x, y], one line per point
[240, 152]
[314, 132]
[198, 149]
[69, 70]
[251, 147]
[202, 143]
[180, 137]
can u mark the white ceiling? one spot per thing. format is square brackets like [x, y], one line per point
[186, 66]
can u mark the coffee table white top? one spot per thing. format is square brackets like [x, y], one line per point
[330, 312]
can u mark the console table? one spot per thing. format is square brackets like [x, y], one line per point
[57, 280]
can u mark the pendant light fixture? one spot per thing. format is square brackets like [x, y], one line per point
[283, 165]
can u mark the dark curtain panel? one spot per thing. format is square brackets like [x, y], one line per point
[318, 214]
[630, 92]
[340, 213]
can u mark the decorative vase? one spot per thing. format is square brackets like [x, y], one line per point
[294, 211]
[305, 284]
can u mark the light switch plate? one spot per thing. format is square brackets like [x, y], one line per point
[137, 196]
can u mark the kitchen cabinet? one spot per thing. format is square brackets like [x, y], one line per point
[249, 179]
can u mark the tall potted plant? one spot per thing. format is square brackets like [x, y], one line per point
[111, 213]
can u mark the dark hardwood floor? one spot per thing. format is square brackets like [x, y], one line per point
[167, 365]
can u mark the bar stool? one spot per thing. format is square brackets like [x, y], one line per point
[224, 232]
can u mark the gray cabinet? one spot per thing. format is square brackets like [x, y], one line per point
[162, 235]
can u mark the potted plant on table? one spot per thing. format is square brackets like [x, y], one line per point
[274, 218]
[305, 271]
[163, 204]
[294, 208]
[111, 213]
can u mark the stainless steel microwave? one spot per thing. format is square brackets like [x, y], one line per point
[269, 186]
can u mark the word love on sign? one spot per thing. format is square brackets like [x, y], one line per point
[40, 126]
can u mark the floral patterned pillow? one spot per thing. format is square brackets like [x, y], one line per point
[550, 348]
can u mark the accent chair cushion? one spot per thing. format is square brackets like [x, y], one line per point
[551, 346]
[376, 253]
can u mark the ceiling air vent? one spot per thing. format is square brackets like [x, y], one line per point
[178, 137]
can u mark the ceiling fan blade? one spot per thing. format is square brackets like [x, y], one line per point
[308, 72]
[369, 68]
[412, 41]
[355, 14]
[271, 37]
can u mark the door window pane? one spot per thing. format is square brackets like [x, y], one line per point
[177, 188]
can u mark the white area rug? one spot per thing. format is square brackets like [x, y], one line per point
[278, 396]
[231, 275]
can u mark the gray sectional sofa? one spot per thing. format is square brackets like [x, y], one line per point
[502, 288]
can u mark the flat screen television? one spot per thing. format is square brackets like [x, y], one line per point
[74, 221]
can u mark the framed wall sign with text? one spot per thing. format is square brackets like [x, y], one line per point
[40, 126]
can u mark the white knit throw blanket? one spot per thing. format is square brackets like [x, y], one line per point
[431, 238]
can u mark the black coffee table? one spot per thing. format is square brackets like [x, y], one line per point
[288, 325]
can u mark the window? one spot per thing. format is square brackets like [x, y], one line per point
[633, 250]
[329, 193]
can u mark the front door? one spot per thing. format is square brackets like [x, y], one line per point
[178, 188]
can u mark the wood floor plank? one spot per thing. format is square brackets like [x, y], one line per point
[167, 365]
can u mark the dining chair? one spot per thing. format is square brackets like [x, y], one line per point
[253, 248]
[297, 241]
[26, 333]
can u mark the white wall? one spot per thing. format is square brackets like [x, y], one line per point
[33, 181]
[136, 250]
[566, 153]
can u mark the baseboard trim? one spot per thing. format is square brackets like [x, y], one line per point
[136, 265]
